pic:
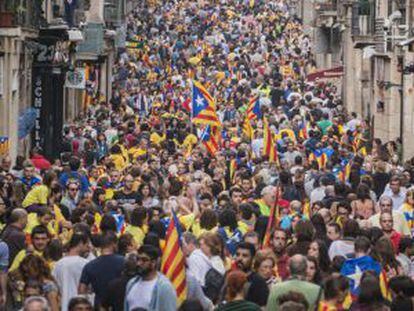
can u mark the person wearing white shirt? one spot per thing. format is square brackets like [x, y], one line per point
[395, 192]
[67, 271]
[202, 259]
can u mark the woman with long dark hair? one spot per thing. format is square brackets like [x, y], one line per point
[318, 250]
[147, 196]
[313, 271]
[304, 233]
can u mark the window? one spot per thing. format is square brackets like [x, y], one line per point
[364, 7]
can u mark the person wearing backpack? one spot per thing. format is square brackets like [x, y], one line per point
[206, 265]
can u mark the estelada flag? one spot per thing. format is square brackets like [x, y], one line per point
[253, 110]
[203, 107]
[210, 140]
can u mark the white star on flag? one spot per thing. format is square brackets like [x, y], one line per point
[356, 276]
[200, 101]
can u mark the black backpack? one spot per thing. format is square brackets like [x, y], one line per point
[213, 284]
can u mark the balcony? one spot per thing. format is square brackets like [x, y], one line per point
[326, 13]
[114, 13]
[20, 13]
[327, 7]
[116, 10]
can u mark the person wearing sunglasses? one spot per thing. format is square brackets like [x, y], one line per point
[72, 196]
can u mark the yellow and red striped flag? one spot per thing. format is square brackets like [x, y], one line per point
[272, 221]
[173, 259]
[232, 170]
[248, 129]
[306, 209]
[269, 145]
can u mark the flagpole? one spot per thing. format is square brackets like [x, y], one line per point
[191, 112]
[274, 213]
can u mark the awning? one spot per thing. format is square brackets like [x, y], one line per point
[332, 73]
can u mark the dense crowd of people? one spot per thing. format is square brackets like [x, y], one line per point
[325, 223]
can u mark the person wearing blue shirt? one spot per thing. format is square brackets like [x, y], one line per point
[74, 164]
[28, 178]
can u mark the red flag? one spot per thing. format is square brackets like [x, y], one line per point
[187, 105]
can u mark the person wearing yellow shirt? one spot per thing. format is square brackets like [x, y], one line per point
[207, 223]
[190, 141]
[39, 194]
[247, 218]
[124, 153]
[157, 137]
[137, 225]
[117, 158]
[43, 217]
[267, 200]
[407, 209]
[113, 185]
[40, 239]
[139, 150]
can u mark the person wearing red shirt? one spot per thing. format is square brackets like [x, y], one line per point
[39, 161]
[387, 223]
[279, 243]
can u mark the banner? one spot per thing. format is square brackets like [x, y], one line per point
[76, 79]
[332, 73]
[134, 45]
[27, 121]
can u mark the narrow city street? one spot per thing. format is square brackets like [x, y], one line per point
[206, 155]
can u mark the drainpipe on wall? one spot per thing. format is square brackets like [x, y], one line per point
[401, 89]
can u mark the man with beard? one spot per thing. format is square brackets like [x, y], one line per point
[258, 290]
[279, 242]
[150, 290]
